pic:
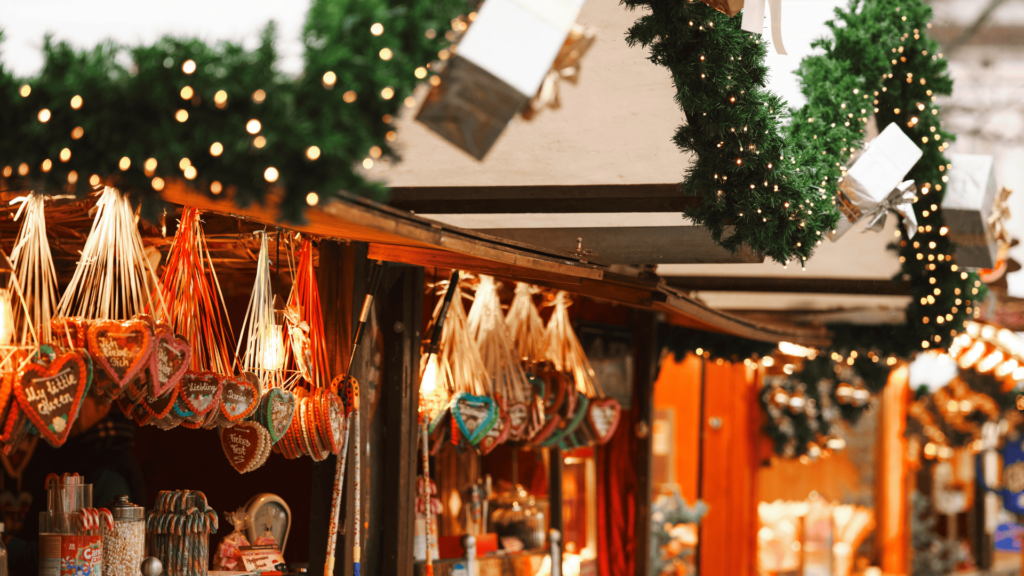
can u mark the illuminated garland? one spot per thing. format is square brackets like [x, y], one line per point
[220, 116]
[746, 173]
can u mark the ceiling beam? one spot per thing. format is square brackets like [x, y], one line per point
[584, 198]
[634, 245]
[795, 285]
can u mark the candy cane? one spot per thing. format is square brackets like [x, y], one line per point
[339, 482]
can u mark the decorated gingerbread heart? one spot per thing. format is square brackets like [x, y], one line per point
[121, 349]
[238, 400]
[246, 444]
[168, 362]
[51, 395]
[473, 416]
[603, 418]
[570, 422]
[497, 435]
[161, 406]
[201, 391]
[69, 332]
[278, 412]
[518, 420]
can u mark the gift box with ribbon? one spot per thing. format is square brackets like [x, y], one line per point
[874, 186]
[496, 71]
[974, 212]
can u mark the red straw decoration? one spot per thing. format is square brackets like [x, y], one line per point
[194, 300]
[305, 333]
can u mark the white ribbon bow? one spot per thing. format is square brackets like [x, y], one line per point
[753, 20]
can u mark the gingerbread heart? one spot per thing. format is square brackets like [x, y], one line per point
[246, 444]
[603, 418]
[201, 391]
[474, 416]
[168, 362]
[51, 395]
[569, 421]
[160, 407]
[121, 349]
[69, 332]
[497, 435]
[278, 412]
[238, 400]
[518, 420]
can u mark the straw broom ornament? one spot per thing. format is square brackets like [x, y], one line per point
[263, 336]
[486, 324]
[33, 263]
[563, 349]
[304, 322]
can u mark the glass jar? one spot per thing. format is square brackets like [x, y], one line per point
[124, 547]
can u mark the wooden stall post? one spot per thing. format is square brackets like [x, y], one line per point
[645, 351]
[341, 281]
[401, 315]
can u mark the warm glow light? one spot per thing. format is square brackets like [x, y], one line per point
[44, 115]
[273, 350]
[990, 361]
[768, 361]
[220, 98]
[150, 166]
[76, 102]
[367, 163]
[181, 115]
[8, 171]
[391, 136]
[329, 79]
[216, 187]
[790, 349]
[125, 163]
[25, 90]
[65, 154]
[187, 92]
[190, 173]
[184, 163]
[270, 174]
[47, 164]
[189, 66]
[971, 356]
[77, 133]
[312, 152]
[375, 152]
[72, 177]
[22, 169]
[377, 29]
[94, 180]
[312, 199]
[387, 93]
[429, 381]
[6, 318]
[259, 96]
[253, 126]
[216, 149]
[158, 183]
[259, 141]
[420, 72]
[349, 97]
[385, 54]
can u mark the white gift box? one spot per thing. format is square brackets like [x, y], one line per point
[498, 66]
[966, 207]
[876, 177]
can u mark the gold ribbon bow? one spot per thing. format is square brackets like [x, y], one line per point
[1000, 214]
[565, 67]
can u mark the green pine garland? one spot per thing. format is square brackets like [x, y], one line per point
[876, 46]
[746, 173]
[130, 99]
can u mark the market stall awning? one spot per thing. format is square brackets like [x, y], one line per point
[398, 236]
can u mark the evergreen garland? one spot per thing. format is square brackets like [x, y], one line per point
[876, 47]
[746, 173]
[128, 103]
[680, 341]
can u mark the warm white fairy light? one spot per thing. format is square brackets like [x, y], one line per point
[44, 115]
[216, 149]
[385, 54]
[158, 183]
[220, 99]
[312, 152]
[259, 141]
[76, 102]
[188, 67]
[377, 29]
[312, 199]
[375, 152]
[253, 126]
[187, 92]
[65, 155]
[77, 133]
[270, 174]
[259, 96]
[181, 115]
[329, 79]
[349, 97]
[149, 166]
[420, 72]
[216, 187]
[125, 163]
[25, 90]
[387, 93]
[367, 163]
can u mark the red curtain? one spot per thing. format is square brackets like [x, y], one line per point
[616, 501]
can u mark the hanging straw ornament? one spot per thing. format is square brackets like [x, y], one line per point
[262, 335]
[563, 349]
[525, 326]
[486, 325]
[36, 276]
[304, 321]
[114, 278]
[461, 369]
[195, 302]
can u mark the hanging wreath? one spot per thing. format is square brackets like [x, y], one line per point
[220, 116]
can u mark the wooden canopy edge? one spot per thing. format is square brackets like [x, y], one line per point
[794, 285]
[548, 199]
[683, 311]
[349, 218]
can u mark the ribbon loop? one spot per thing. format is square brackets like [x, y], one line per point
[900, 202]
